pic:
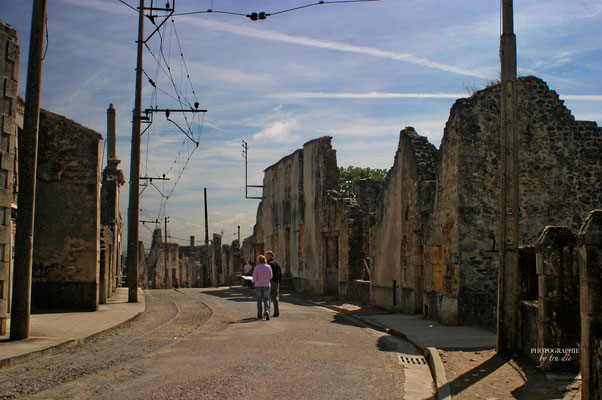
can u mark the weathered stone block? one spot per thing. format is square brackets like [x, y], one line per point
[11, 88]
[8, 124]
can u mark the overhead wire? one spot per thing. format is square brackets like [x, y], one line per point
[163, 61]
[273, 13]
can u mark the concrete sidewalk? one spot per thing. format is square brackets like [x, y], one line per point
[425, 333]
[52, 332]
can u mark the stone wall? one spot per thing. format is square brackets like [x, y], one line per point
[315, 233]
[558, 274]
[399, 233]
[589, 242]
[453, 238]
[9, 103]
[195, 259]
[67, 223]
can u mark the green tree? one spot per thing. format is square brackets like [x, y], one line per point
[348, 176]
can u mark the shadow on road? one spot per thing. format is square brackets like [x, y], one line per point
[232, 294]
[244, 320]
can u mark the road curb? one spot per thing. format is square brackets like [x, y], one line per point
[431, 356]
[438, 371]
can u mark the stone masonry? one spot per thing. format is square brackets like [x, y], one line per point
[9, 124]
[316, 234]
[66, 250]
[444, 217]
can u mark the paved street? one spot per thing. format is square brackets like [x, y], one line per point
[206, 343]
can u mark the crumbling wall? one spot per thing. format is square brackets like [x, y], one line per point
[281, 212]
[315, 234]
[399, 235]
[385, 240]
[367, 194]
[67, 224]
[9, 103]
[560, 181]
[558, 274]
[560, 178]
[195, 260]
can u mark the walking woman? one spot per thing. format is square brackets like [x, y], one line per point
[261, 279]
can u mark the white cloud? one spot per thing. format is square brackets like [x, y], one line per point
[279, 131]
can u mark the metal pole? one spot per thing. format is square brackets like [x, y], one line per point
[206, 221]
[165, 254]
[134, 203]
[238, 235]
[245, 151]
[28, 155]
[508, 275]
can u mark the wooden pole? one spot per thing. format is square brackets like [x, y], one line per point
[508, 275]
[134, 200]
[28, 156]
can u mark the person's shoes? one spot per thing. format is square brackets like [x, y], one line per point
[267, 316]
[275, 315]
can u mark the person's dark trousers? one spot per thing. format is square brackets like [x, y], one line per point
[275, 296]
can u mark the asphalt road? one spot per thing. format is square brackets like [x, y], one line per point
[206, 344]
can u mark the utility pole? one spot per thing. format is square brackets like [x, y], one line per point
[28, 156]
[206, 221]
[508, 275]
[166, 268]
[245, 154]
[239, 236]
[134, 200]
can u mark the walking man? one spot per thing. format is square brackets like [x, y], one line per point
[261, 278]
[275, 282]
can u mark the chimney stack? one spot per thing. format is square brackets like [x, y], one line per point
[111, 139]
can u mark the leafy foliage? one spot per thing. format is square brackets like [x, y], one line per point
[348, 176]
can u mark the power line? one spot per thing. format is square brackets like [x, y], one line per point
[256, 16]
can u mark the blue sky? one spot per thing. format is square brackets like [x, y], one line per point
[359, 72]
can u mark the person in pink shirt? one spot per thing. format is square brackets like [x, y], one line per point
[261, 279]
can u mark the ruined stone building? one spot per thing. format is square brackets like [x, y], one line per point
[434, 243]
[200, 266]
[12, 121]
[111, 220]
[66, 251]
[195, 261]
[156, 267]
[315, 234]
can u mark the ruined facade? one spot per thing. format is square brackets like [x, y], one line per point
[195, 261]
[66, 253]
[314, 232]
[10, 122]
[111, 220]
[434, 242]
[215, 264]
